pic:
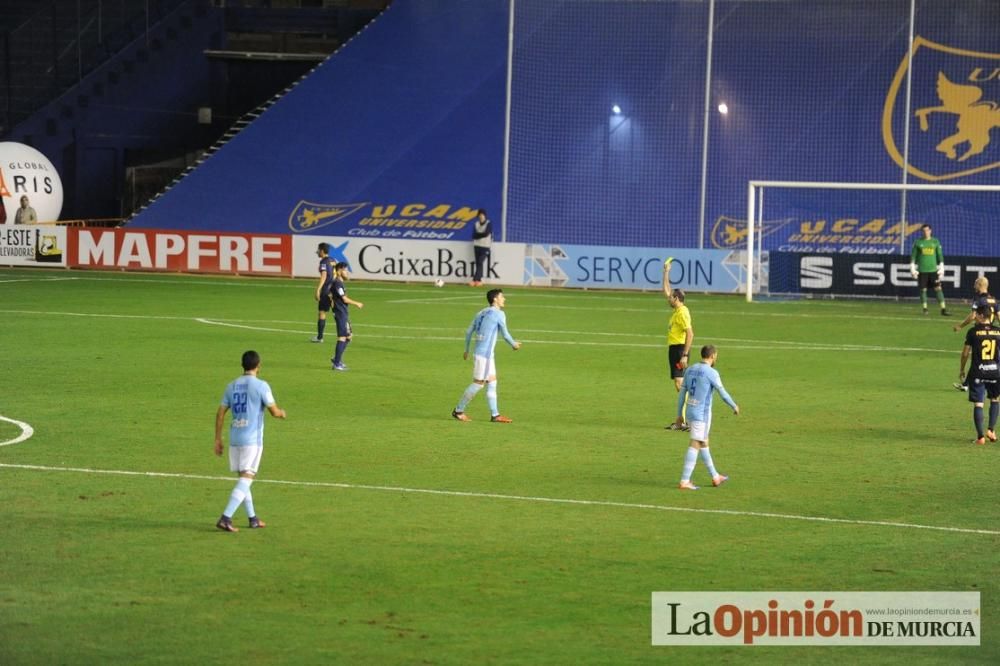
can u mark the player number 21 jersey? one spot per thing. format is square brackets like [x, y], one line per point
[983, 341]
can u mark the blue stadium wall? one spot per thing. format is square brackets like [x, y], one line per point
[407, 116]
[404, 126]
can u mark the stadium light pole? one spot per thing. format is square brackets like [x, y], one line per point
[906, 129]
[751, 224]
[704, 132]
[506, 128]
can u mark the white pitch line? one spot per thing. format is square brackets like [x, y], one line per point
[99, 315]
[59, 279]
[835, 310]
[26, 431]
[793, 344]
[224, 324]
[441, 299]
[741, 343]
[518, 498]
[748, 344]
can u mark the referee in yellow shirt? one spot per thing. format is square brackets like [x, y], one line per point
[680, 335]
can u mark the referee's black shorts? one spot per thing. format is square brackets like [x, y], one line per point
[674, 354]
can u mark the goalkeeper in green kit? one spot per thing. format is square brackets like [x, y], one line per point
[927, 266]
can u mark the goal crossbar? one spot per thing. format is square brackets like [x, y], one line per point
[754, 185]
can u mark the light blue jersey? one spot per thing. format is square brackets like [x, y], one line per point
[699, 382]
[248, 397]
[484, 328]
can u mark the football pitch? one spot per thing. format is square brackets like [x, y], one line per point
[398, 535]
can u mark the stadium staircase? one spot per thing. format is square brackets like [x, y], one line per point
[312, 28]
[93, 83]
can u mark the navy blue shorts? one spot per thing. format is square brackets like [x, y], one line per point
[983, 388]
[343, 326]
[325, 302]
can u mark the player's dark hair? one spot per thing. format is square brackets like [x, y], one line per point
[707, 351]
[679, 295]
[492, 294]
[324, 248]
[926, 226]
[984, 311]
[481, 211]
[339, 265]
[251, 360]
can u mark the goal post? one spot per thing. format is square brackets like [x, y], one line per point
[960, 207]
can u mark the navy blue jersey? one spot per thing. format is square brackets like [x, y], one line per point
[339, 305]
[987, 299]
[326, 266]
[983, 340]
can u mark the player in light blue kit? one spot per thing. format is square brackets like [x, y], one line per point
[488, 325]
[700, 380]
[247, 396]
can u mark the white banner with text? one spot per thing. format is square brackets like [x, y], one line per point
[32, 245]
[816, 618]
[409, 261]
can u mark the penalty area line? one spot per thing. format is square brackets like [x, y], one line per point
[519, 498]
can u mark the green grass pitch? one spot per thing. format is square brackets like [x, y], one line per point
[108, 551]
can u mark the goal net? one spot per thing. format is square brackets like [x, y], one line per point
[854, 239]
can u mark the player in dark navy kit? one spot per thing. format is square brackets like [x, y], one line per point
[340, 302]
[981, 343]
[324, 289]
[982, 296]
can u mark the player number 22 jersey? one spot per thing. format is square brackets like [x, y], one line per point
[247, 397]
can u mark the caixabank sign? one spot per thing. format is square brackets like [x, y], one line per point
[870, 275]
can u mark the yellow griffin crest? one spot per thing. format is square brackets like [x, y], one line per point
[307, 216]
[730, 233]
[732, 236]
[975, 116]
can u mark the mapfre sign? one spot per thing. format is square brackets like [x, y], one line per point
[188, 252]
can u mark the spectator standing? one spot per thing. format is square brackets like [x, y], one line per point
[482, 243]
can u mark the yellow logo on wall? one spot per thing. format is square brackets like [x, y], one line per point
[952, 136]
[729, 233]
[307, 216]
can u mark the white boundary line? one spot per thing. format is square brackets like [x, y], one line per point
[517, 498]
[26, 431]
[34, 280]
[747, 344]
[740, 343]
